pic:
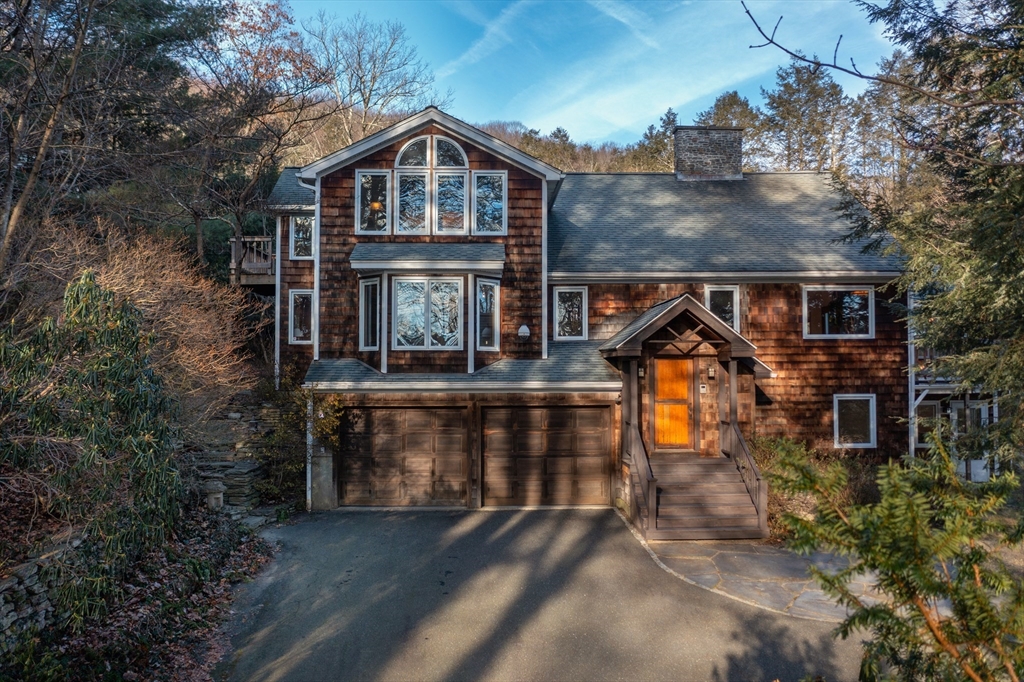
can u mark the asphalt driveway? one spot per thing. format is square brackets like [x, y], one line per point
[503, 595]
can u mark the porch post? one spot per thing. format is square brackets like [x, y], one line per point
[733, 401]
[634, 395]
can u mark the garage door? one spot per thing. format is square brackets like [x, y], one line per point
[408, 456]
[546, 456]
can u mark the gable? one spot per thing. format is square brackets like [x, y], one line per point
[415, 124]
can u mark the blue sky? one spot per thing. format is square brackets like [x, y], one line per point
[606, 69]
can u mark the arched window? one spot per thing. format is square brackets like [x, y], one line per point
[431, 191]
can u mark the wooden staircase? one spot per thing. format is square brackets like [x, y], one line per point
[699, 498]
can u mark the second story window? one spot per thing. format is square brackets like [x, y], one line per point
[369, 313]
[839, 312]
[488, 319]
[570, 313]
[427, 313]
[301, 231]
[372, 190]
[724, 302]
[300, 316]
[433, 191]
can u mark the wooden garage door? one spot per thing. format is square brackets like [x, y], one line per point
[546, 456]
[405, 456]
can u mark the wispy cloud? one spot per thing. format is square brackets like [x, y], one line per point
[496, 36]
[638, 23]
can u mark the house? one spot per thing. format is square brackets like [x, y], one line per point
[502, 333]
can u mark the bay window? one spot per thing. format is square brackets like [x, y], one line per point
[488, 316]
[427, 313]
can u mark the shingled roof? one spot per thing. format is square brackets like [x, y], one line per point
[652, 224]
[290, 194]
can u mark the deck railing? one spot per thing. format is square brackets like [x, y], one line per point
[256, 255]
[735, 447]
[641, 467]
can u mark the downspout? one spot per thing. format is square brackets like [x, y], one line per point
[911, 378]
[309, 454]
[277, 308]
[544, 270]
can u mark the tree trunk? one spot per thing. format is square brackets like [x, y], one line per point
[200, 254]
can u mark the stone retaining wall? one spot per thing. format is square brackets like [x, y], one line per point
[25, 596]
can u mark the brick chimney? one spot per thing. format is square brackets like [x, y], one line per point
[709, 153]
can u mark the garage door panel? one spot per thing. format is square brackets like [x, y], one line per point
[561, 455]
[450, 443]
[406, 458]
[560, 441]
[559, 465]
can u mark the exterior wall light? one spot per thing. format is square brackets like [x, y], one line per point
[524, 332]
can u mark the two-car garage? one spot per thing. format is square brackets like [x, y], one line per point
[526, 455]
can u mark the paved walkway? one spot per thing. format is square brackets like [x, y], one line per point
[759, 574]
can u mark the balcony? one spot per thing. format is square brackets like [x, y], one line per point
[258, 262]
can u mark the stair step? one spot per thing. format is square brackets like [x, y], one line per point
[749, 521]
[691, 510]
[691, 477]
[723, 486]
[701, 497]
[705, 534]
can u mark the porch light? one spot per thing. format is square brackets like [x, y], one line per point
[524, 332]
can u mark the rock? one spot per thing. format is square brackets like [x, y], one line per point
[234, 415]
[254, 521]
[25, 570]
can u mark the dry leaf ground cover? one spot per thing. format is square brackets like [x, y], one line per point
[164, 625]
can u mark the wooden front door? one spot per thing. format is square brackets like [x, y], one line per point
[673, 404]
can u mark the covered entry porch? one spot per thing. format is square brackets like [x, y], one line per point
[687, 399]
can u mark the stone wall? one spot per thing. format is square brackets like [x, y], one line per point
[26, 596]
[709, 153]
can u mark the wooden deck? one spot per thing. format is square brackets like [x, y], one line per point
[258, 261]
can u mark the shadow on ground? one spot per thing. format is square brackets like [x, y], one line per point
[542, 595]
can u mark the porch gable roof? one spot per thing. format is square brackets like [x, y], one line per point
[628, 342]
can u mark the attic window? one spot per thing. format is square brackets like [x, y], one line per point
[415, 154]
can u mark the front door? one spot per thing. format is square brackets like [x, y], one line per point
[673, 406]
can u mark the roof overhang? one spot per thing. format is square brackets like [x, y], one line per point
[420, 386]
[430, 115]
[731, 277]
[427, 257]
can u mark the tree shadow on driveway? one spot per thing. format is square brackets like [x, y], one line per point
[460, 595]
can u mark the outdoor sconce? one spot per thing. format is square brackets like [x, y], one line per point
[524, 332]
[711, 372]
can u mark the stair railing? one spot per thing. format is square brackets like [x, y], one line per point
[736, 448]
[648, 483]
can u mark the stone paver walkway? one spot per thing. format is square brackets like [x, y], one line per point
[768, 577]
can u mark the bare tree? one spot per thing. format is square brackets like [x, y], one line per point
[375, 75]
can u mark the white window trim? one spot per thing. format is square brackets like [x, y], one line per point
[466, 189]
[504, 213]
[426, 314]
[836, 398]
[291, 316]
[430, 153]
[918, 443]
[388, 210]
[363, 285]
[497, 314]
[428, 203]
[735, 289]
[465, 159]
[291, 238]
[585, 315]
[839, 287]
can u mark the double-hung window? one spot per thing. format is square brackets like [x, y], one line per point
[724, 302]
[853, 418]
[369, 314]
[427, 313]
[300, 316]
[488, 314]
[301, 237]
[838, 312]
[570, 313]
